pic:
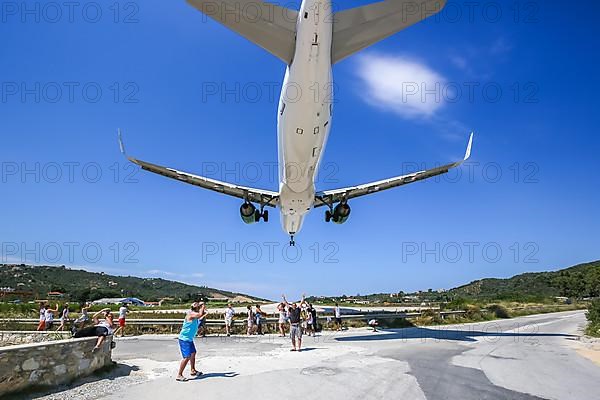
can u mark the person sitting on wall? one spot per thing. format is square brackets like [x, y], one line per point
[101, 328]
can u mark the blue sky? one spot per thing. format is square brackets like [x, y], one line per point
[522, 75]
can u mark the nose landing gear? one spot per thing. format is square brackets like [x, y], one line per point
[292, 242]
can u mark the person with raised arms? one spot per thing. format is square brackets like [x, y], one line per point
[189, 330]
[294, 311]
[49, 316]
[102, 328]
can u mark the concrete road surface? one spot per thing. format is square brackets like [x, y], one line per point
[524, 358]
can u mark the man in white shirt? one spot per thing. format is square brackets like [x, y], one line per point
[338, 316]
[123, 310]
[229, 313]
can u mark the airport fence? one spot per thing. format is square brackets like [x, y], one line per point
[269, 323]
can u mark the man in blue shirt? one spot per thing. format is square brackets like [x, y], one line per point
[189, 330]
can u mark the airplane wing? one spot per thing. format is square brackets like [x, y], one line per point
[360, 27]
[263, 197]
[330, 197]
[266, 24]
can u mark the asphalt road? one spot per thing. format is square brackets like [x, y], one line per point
[525, 358]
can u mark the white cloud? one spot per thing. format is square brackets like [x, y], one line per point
[403, 85]
[250, 288]
[161, 272]
[460, 62]
[500, 46]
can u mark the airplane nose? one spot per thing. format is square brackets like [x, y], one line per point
[292, 223]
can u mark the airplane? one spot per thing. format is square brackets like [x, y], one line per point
[309, 41]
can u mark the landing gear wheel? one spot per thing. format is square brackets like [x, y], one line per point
[265, 215]
[327, 216]
[256, 216]
[292, 242]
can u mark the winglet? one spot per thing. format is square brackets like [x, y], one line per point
[468, 152]
[121, 145]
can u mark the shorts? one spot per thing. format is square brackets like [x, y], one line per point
[228, 322]
[338, 321]
[41, 325]
[121, 322]
[91, 331]
[49, 325]
[295, 331]
[187, 348]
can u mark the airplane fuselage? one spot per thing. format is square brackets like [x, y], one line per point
[304, 113]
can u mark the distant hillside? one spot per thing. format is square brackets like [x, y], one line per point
[82, 285]
[579, 281]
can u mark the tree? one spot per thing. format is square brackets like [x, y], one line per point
[82, 296]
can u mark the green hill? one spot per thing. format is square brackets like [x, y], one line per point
[579, 281]
[80, 285]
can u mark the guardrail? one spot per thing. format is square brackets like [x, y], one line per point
[220, 322]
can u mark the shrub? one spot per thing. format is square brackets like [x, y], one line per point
[456, 304]
[498, 311]
[593, 315]
[473, 313]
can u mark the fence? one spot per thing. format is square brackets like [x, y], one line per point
[221, 323]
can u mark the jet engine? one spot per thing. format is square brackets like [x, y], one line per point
[340, 214]
[247, 212]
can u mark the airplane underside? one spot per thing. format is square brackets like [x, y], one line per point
[309, 41]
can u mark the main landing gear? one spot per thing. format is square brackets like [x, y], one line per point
[292, 242]
[264, 214]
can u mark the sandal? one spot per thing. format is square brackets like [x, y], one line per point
[181, 379]
[196, 373]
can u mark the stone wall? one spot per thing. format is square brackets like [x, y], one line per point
[50, 363]
[9, 338]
